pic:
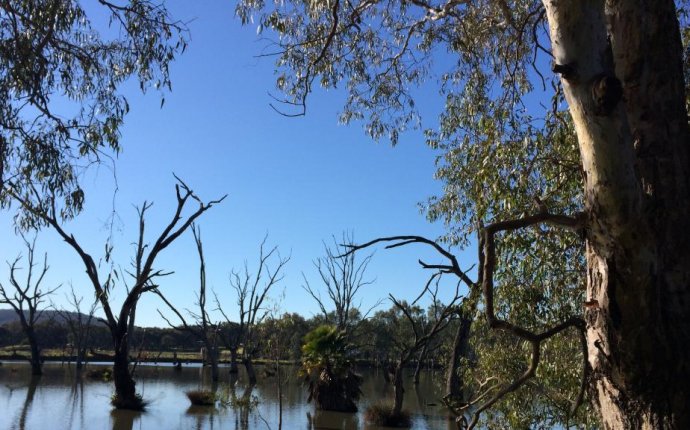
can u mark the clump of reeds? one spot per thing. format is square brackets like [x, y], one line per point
[382, 415]
[201, 397]
[136, 404]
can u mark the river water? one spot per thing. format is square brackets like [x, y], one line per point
[60, 400]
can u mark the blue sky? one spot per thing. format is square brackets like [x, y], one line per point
[299, 180]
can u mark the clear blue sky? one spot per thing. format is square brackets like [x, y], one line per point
[299, 180]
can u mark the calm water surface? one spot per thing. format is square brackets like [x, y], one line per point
[61, 400]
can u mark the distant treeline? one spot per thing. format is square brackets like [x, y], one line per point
[374, 337]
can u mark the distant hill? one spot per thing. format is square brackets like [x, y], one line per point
[8, 316]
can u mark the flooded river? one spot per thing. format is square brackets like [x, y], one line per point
[61, 400]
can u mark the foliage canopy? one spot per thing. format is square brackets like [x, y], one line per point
[506, 145]
[60, 105]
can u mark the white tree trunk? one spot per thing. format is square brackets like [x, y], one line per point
[620, 63]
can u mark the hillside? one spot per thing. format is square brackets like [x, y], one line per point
[9, 315]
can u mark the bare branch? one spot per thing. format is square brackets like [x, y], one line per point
[453, 267]
[487, 268]
[343, 276]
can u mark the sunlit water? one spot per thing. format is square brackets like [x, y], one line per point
[61, 400]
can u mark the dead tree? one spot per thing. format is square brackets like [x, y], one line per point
[202, 328]
[252, 290]
[422, 332]
[25, 297]
[343, 276]
[143, 279]
[79, 325]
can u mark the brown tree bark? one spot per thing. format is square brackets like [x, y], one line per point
[213, 361]
[233, 360]
[622, 76]
[420, 363]
[249, 366]
[454, 382]
[399, 389]
[125, 387]
[35, 359]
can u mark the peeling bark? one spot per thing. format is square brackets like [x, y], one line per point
[626, 98]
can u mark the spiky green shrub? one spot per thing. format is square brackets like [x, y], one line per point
[328, 370]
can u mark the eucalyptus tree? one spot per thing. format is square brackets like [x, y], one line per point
[25, 296]
[60, 72]
[564, 148]
[144, 276]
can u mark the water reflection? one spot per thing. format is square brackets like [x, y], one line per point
[329, 420]
[30, 393]
[203, 416]
[63, 399]
[124, 420]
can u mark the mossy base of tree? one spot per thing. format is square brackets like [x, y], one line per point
[382, 415]
[136, 403]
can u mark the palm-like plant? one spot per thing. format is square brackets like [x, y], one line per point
[328, 370]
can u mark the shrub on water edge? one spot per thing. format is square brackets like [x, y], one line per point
[105, 375]
[201, 397]
[138, 404]
[382, 415]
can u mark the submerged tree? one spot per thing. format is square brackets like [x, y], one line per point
[343, 276]
[79, 325]
[25, 297]
[580, 216]
[60, 108]
[411, 332]
[143, 275]
[203, 328]
[252, 290]
[327, 369]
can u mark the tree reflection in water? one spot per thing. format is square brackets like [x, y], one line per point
[76, 396]
[62, 400]
[323, 420]
[123, 419]
[204, 416]
[30, 392]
